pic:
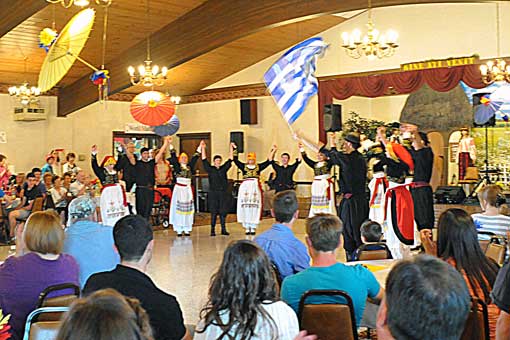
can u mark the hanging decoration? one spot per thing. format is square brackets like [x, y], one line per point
[101, 78]
[168, 129]
[47, 37]
[152, 108]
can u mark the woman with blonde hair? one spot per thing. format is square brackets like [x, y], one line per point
[38, 264]
[492, 219]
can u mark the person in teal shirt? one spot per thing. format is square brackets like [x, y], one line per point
[324, 237]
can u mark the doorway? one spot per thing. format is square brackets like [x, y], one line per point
[189, 142]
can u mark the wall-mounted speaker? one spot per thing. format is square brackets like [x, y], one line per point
[248, 111]
[332, 117]
[237, 137]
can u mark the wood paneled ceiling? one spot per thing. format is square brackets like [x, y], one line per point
[203, 41]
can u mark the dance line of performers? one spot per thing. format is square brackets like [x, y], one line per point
[400, 194]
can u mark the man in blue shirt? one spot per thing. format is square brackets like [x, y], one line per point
[283, 248]
[324, 237]
[89, 242]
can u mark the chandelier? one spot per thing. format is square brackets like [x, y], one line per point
[495, 70]
[373, 45]
[24, 93]
[175, 99]
[148, 75]
[79, 3]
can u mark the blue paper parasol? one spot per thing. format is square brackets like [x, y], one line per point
[486, 109]
[168, 129]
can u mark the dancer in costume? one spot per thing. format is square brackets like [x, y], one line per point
[182, 207]
[218, 197]
[249, 199]
[352, 182]
[113, 202]
[144, 177]
[284, 173]
[377, 185]
[466, 153]
[323, 189]
[421, 190]
[399, 208]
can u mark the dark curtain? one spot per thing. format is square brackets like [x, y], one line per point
[440, 79]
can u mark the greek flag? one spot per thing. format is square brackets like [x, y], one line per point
[291, 80]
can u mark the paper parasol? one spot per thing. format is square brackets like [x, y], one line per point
[486, 109]
[66, 49]
[152, 108]
[169, 128]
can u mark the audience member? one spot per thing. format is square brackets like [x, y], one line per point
[283, 248]
[491, 220]
[78, 187]
[457, 244]
[133, 238]
[40, 265]
[371, 235]
[48, 181]
[89, 242]
[40, 184]
[425, 299]
[70, 166]
[4, 172]
[324, 237]
[30, 192]
[105, 315]
[67, 179]
[48, 167]
[501, 298]
[243, 299]
[58, 194]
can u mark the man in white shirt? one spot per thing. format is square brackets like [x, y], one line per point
[78, 187]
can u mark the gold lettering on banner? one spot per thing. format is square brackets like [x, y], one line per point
[439, 63]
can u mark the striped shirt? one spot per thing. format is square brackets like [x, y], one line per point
[498, 224]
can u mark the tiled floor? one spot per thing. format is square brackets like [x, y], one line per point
[183, 266]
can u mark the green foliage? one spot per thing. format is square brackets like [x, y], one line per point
[356, 123]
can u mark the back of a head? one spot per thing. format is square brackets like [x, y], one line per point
[131, 235]
[81, 208]
[426, 299]
[324, 231]
[243, 281]
[285, 205]
[105, 315]
[371, 231]
[491, 194]
[43, 233]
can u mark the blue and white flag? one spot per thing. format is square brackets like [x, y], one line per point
[291, 80]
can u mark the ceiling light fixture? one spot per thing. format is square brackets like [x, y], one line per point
[25, 93]
[79, 3]
[373, 45]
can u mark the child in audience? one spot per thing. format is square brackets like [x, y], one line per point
[491, 219]
[371, 236]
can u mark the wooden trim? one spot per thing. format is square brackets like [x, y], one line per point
[14, 12]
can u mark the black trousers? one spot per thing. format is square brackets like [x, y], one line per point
[219, 202]
[144, 201]
[353, 212]
[423, 201]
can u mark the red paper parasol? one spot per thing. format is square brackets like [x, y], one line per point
[152, 108]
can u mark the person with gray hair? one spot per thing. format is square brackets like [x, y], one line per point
[89, 242]
[426, 299]
[323, 239]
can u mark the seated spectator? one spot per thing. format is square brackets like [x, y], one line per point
[134, 241]
[70, 167]
[324, 238]
[89, 242]
[41, 264]
[501, 298]
[243, 299]
[39, 182]
[48, 181]
[105, 315]
[457, 244]
[425, 299]
[371, 234]
[78, 187]
[48, 167]
[4, 172]
[283, 248]
[58, 194]
[30, 192]
[67, 179]
[491, 219]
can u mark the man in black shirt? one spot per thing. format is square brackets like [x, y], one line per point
[30, 192]
[144, 178]
[284, 173]
[128, 170]
[218, 197]
[134, 241]
[353, 178]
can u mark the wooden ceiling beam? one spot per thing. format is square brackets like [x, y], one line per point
[14, 12]
[209, 26]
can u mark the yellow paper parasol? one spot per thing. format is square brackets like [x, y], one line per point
[66, 49]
